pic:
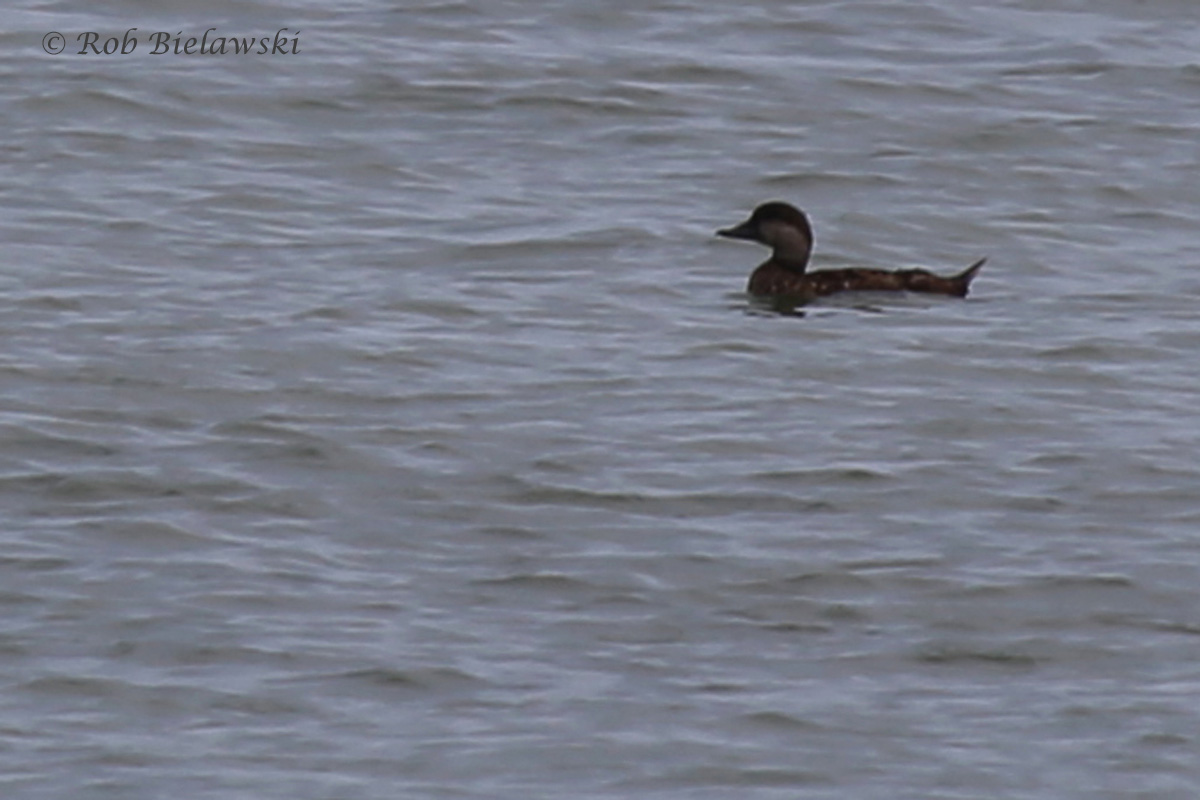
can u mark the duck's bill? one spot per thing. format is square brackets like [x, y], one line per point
[742, 231]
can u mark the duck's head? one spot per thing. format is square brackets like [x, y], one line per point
[783, 228]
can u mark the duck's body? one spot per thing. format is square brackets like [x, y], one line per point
[785, 229]
[772, 279]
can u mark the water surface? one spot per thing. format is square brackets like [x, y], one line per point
[384, 420]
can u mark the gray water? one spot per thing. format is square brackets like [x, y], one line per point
[383, 420]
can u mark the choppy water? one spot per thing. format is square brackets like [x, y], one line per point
[383, 420]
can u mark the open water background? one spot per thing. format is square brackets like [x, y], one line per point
[384, 421]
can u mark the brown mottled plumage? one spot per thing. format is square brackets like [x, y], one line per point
[785, 229]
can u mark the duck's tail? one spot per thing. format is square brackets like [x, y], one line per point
[962, 281]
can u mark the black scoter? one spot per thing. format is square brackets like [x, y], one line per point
[786, 230]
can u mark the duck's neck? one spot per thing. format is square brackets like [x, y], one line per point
[790, 262]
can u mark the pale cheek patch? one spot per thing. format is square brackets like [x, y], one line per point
[790, 245]
[775, 234]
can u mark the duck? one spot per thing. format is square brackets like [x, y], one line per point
[786, 230]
